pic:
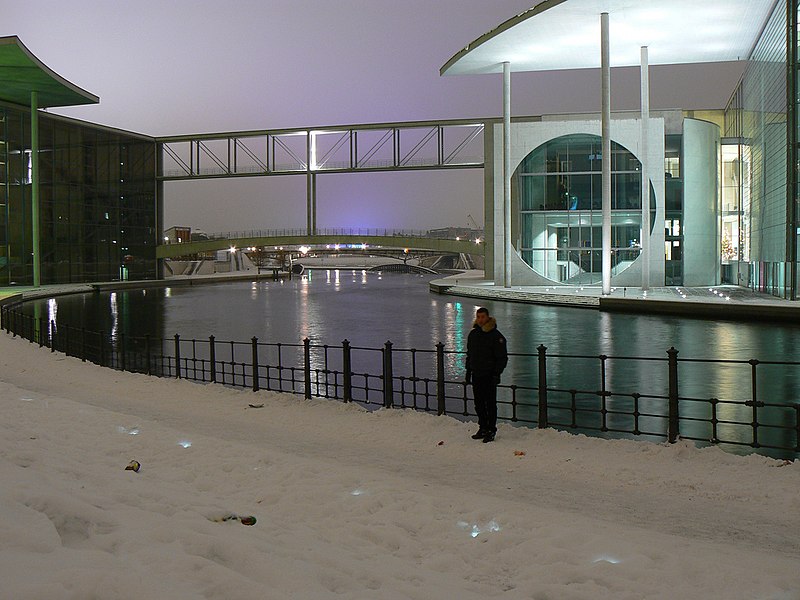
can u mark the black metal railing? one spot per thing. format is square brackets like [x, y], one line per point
[581, 393]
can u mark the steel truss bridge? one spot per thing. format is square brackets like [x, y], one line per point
[309, 151]
[345, 240]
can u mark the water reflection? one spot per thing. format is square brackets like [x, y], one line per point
[114, 315]
[52, 310]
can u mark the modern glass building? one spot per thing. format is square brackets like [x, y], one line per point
[759, 209]
[723, 184]
[77, 200]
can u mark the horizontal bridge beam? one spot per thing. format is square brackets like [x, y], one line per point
[221, 174]
[405, 146]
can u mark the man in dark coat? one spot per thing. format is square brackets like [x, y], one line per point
[486, 358]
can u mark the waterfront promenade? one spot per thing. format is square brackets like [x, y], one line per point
[719, 302]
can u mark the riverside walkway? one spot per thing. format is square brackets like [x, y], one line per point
[718, 302]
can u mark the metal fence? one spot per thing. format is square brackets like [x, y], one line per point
[552, 394]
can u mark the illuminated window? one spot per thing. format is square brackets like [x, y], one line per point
[558, 191]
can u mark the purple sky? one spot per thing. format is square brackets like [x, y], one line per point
[182, 67]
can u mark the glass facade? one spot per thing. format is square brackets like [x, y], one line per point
[673, 210]
[793, 167]
[558, 191]
[97, 201]
[760, 125]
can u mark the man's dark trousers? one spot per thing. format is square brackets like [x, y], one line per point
[484, 389]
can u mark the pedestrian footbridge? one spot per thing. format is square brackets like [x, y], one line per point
[344, 240]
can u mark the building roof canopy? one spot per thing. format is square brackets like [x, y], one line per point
[565, 34]
[22, 73]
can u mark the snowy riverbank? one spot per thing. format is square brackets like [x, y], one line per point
[351, 504]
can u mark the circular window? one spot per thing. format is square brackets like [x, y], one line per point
[557, 190]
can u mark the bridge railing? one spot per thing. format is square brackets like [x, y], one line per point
[349, 231]
[579, 393]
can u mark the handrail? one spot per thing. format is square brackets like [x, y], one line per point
[432, 380]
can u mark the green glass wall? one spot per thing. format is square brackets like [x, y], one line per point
[762, 118]
[97, 202]
[793, 163]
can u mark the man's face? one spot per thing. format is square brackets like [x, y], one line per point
[481, 318]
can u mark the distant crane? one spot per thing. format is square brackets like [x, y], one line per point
[474, 224]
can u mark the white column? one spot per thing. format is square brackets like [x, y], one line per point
[643, 152]
[506, 175]
[605, 71]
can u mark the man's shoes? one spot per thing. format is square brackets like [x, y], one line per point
[489, 437]
[480, 435]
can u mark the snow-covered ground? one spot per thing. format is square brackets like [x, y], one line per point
[356, 504]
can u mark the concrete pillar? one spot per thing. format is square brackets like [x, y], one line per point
[314, 203]
[643, 152]
[159, 194]
[35, 216]
[309, 186]
[506, 174]
[605, 71]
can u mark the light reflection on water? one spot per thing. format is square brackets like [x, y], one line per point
[329, 306]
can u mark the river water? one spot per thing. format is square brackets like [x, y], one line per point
[368, 309]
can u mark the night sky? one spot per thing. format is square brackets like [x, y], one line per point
[181, 67]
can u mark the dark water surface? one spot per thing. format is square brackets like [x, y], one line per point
[368, 309]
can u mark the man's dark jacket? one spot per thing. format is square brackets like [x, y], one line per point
[486, 350]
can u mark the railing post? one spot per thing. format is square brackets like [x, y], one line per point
[102, 347]
[348, 372]
[542, 349]
[83, 344]
[255, 363]
[797, 427]
[147, 353]
[440, 407]
[754, 387]
[603, 394]
[212, 357]
[307, 366]
[66, 339]
[672, 432]
[122, 358]
[41, 332]
[177, 356]
[388, 377]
